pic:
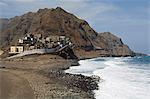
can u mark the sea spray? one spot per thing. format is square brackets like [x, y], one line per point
[123, 78]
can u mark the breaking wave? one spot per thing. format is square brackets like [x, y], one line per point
[122, 78]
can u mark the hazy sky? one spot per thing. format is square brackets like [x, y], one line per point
[128, 19]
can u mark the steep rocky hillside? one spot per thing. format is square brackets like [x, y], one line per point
[59, 22]
[115, 44]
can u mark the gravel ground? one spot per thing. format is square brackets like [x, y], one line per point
[47, 79]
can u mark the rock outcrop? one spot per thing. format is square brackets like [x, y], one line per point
[59, 22]
[115, 44]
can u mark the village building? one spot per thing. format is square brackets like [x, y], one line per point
[62, 38]
[54, 38]
[20, 41]
[16, 49]
[37, 41]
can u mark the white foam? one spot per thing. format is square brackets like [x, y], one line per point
[86, 67]
[119, 80]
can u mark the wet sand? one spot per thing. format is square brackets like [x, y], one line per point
[14, 87]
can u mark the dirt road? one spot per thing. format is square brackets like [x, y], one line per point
[14, 87]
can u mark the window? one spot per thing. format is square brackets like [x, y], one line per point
[17, 49]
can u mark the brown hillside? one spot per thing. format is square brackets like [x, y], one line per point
[59, 22]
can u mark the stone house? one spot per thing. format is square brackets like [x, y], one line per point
[16, 49]
[30, 42]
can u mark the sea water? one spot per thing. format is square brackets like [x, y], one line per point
[121, 78]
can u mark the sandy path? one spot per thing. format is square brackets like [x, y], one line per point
[14, 87]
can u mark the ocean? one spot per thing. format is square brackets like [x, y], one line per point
[121, 77]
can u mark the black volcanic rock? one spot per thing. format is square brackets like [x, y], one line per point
[59, 22]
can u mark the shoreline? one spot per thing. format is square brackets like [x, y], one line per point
[47, 78]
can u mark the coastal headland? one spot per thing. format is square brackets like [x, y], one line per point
[37, 47]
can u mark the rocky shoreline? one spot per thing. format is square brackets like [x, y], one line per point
[46, 76]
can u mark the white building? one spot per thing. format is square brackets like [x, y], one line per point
[16, 49]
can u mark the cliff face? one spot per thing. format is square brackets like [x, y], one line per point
[59, 22]
[118, 48]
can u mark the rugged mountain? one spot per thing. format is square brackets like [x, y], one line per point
[59, 22]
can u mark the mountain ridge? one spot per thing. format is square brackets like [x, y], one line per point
[60, 22]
